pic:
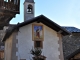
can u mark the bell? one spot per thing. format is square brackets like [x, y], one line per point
[29, 10]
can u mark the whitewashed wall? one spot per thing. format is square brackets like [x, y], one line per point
[25, 43]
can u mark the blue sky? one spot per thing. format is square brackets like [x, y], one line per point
[62, 12]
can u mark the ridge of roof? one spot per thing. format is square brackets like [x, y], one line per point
[38, 19]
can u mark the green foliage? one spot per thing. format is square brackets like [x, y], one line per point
[36, 51]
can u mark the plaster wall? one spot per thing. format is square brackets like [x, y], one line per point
[8, 48]
[25, 43]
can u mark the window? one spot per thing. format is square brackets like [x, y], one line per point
[38, 44]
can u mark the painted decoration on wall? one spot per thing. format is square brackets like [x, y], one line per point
[38, 33]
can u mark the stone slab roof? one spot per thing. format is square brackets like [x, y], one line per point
[73, 54]
[71, 43]
[72, 29]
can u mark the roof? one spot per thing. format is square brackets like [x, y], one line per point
[72, 29]
[31, 1]
[73, 54]
[38, 19]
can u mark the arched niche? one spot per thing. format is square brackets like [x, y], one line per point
[30, 9]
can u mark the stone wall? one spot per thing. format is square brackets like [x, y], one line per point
[2, 33]
[70, 44]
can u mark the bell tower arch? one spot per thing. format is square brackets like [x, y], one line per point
[28, 9]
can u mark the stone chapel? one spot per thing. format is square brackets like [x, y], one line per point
[40, 32]
[34, 32]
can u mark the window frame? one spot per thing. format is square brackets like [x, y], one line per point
[41, 44]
